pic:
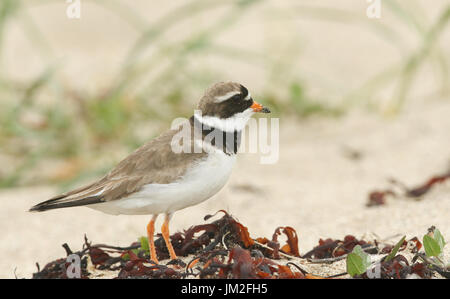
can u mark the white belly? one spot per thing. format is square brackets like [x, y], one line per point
[198, 184]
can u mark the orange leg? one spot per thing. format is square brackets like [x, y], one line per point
[166, 236]
[151, 243]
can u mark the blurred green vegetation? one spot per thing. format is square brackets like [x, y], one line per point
[79, 136]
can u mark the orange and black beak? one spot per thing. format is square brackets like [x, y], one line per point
[257, 107]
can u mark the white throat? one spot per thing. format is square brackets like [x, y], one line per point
[235, 123]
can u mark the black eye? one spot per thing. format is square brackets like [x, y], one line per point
[236, 97]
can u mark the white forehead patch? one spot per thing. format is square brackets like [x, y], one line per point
[226, 96]
[248, 97]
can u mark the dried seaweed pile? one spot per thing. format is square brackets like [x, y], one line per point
[378, 197]
[391, 265]
[224, 249]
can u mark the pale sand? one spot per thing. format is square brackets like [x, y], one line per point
[314, 188]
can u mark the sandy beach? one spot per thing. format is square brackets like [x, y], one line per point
[327, 165]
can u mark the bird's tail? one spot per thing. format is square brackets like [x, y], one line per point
[64, 203]
[80, 197]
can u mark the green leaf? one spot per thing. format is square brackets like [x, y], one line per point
[126, 257]
[144, 244]
[431, 246]
[357, 261]
[364, 256]
[395, 250]
[355, 264]
[439, 239]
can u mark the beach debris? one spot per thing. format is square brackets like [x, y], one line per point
[378, 197]
[223, 248]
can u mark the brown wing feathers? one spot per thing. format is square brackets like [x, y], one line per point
[153, 162]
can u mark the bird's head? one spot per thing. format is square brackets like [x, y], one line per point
[228, 106]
